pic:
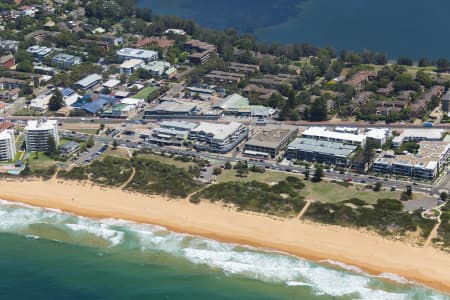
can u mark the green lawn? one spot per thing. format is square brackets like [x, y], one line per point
[332, 192]
[167, 160]
[267, 177]
[85, 130]
[41, 162]
[323, 191]
[144, 93]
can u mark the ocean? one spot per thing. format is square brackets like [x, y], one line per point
[413, 28]
[47, 254]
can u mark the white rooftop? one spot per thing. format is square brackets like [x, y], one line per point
[6, 134]
[132, 63]
[41, 124]
[219, 131]
[71, 99]
[377, 133]
[324, 133]
[89, 80]
[41, 101]
[137, 53]
[132, 101]
[428, 133]
[111, 83]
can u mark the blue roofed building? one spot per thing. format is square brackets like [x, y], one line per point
[95, 106]
[67, 92]
[98, 104]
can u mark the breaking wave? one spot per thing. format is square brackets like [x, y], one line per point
[329, 278]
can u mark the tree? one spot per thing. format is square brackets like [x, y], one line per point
[443, 196]
[443, 65]
[114, 144]
[242, 172]
[52, 150]
[56, 101]
[407, 194]
[90, 142]
[217, 171]
[318, 174]
[228, 165]
[25, 66]
[377, 187]
[405, 61]
[306, 173]
[424, 79]
[424, 62]
[319, 110]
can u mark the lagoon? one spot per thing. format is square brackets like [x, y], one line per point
[414, 28]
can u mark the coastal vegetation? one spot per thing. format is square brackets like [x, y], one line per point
[110, 171]
[282, 198]
[151, 176]
[385, 217]
[154, 177]
[444, 228]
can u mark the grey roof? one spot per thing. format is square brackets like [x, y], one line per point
[271, 138]
[69, 147]
[171, 106]
[89, 80]
[324, 147]
[179, 124]
[446, 96]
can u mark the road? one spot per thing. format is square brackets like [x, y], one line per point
[218, 159]
[246, 121]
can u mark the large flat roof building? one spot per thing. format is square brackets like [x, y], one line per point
[7, 145]
[133, 53]
[313, 150]
[270, 141]
[430, 159]
[157, 68]
[322, 133]
[130, 66]
[218, 137]
[170, 108]
[179, 125]
[38, 134]
[89, 81]
[418, 135]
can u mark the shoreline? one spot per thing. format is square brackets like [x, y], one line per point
[311, 241]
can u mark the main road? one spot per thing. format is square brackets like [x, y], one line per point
[290, 168]
[247, 121]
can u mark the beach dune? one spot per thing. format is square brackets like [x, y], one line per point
[368, 251]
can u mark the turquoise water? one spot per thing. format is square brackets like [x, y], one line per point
[414, 28]
[46, 254]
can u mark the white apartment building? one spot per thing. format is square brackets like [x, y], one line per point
[219, 138]
[132, 53]
[130, 66]
[430, 159]
[323, 134]
[7, 145]
[38, 132]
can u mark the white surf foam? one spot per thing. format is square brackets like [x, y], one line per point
[344, 266]
[394, 278]
[100, 230]
[229, 258]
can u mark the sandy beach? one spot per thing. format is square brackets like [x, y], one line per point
[368, 251]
